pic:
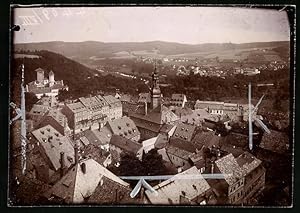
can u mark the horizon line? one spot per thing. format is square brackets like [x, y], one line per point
[36, 42]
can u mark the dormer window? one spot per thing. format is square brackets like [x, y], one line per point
[119, 127]
[70, 159]
[127, 124]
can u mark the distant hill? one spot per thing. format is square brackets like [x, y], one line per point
[81, 80]
[64, 69]
[93, 49]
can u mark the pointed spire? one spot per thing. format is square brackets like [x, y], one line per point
[155, 66]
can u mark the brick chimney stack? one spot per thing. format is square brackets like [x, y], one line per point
[62, 164]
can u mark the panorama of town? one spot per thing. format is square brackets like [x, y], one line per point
[151, 128]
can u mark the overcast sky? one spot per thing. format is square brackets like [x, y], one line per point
[192, 25]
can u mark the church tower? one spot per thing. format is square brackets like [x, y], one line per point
[155, 90]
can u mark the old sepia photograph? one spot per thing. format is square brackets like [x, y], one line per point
[151, 106]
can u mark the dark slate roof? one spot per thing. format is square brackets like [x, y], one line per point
[183, 144]
[248, 162]
[207, 139]
[181, 153]
[110, 192]
[184, 131]
[125, 144]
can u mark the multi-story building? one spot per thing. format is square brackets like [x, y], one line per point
[254, 173]
[79, 117]
[92, 112]
[115, 107]
[232, 186]
[178, 100]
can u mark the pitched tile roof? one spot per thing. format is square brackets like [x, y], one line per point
[77, 184]
[125, 144]
[207, 139]
[181, 153]
[169, 191]
[103, 135]
[184, 131]
[229, 167]
[53, 143]
[248, 162]
[111, 100]
[123, 126]
[110, 192]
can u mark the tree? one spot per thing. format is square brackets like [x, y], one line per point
[30, 100]
[63, 95]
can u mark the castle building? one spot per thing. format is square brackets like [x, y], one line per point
[43, 86]
[151, 117]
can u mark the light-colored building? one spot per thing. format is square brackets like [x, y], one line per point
[92, 112]
[178, 100]
[232, 110]
[79, 117]
[115, 107]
